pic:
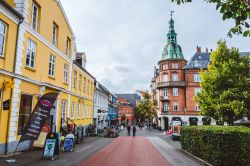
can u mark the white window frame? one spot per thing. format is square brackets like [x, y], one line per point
[165, 92]
[175, 77]
[73, 111]
[83, 111]
[165, 106]
[175, 65]
[165, 78]
[3, 34]
[54, 34]
[74, 79]
[31, 54]
[32, 17]
[197, 78]
[78, 110]
[64, 109]
[175, 91]
[52, 63]
[68, 41]
[66, 73]
[80, 82]
[176, 104]
[165, 66]
[87, 111]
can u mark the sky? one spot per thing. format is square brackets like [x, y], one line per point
[124, 39]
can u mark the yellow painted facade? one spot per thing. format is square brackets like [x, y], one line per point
[36, 80]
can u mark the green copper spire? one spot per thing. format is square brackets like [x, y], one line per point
[172, 50]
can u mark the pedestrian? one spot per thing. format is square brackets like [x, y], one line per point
[128, 128]
[134, 130]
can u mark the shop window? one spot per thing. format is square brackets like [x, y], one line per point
[3, 32]
[31, 54]
[24, 112]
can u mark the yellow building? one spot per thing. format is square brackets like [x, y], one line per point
[45, 61]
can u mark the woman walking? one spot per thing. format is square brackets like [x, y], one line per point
[134, 130]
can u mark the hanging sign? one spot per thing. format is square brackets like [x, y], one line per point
[6, 105]
[51, 146]
[38, 117]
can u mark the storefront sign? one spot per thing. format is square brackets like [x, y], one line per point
[68, 144]
[38, 117]
[51, 147]
[6, 105]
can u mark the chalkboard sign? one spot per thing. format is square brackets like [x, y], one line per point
[68, 144]
[51, 146]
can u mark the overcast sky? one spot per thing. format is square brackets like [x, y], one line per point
[124, 39]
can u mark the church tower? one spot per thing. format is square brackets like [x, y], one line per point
[170, 81]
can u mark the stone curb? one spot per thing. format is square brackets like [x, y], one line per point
[204, 162]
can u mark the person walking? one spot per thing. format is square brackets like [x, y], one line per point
[128, 128]
[134, 130]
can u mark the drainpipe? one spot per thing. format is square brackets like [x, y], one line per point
[11, 93]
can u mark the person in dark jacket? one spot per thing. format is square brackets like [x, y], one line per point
[128, 128]
[134, 130]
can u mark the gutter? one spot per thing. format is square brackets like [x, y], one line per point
[11, 93]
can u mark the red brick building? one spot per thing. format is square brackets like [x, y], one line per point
[176, 81]
[125, 111]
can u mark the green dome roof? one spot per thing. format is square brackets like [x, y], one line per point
[172, 50]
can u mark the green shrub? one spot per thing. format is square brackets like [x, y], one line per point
[218, 145]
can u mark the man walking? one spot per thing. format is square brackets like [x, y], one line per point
[128, 128]
[134, 130]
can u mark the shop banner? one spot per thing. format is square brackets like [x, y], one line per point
[38, 117]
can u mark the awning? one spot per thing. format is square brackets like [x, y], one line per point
[193, 119]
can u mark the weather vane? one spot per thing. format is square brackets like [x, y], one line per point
[171, 13]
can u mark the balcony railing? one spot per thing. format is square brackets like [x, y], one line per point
[170, 84]
[164, 97]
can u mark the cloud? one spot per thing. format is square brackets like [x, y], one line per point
[124, 39]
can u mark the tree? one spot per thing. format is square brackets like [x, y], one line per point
[145, 109]
[225, 94]
[238, 10]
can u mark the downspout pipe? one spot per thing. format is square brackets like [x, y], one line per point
[11, 93]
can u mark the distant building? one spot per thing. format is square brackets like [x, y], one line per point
[176, 82]
[126, 111]
[131, 98]
[113, 110]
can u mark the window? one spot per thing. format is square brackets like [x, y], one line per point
[84, 85]
[82, 110]
[52, 63]
[65, 74]
[64, 108]
[24, 113]
[78, 110]
[165, 92]
[165, 77]
[80, 82]
[197, 78]
[197, 108]
[31, 54]
[34, 19]
[175, 65]
[165, 66]
[87, 87]
[196, 91]
[175, 77]
[87, 111]
[3, 32]
[74, 79]
[73, 110]
[165, 106]
[176, 106]
[54, 34]
[175, 91]
[68, 46]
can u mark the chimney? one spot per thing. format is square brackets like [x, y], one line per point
[206, 50]
[198, 49]
[81, 59]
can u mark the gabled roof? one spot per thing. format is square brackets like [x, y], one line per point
[11, 9]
